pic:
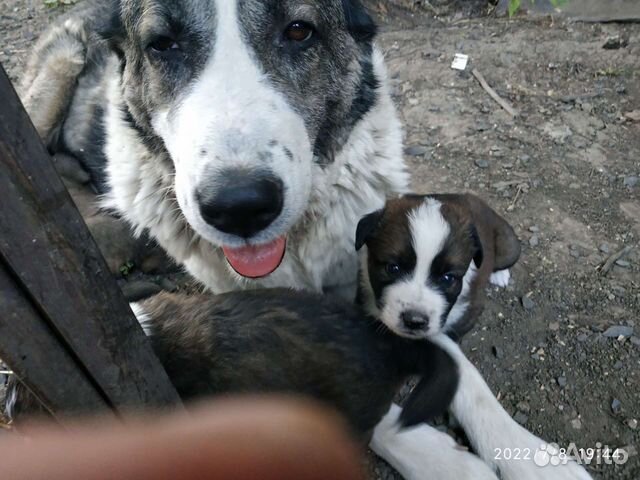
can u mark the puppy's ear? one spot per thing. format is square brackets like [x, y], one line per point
[366, 227]
[507, 244]
[436, 389]
[478, 252]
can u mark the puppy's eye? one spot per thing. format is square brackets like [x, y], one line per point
[163, 45]
[393, 269]
[448, 279]
[299, 31]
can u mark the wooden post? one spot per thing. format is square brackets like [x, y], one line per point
[63, 287]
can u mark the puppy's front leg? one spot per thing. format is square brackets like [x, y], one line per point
[424, 453]
[491, 429]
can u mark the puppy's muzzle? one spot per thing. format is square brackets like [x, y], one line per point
[414, 321]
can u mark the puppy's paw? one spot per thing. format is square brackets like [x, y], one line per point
[424, 452]
[500, 278]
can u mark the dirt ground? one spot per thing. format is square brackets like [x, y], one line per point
[561, 346]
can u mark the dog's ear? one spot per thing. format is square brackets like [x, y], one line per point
[110, 28]
[359, 22]
[507, 244]
[366, 227]
[435, 390]
[478, 250]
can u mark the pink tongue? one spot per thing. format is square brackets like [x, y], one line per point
[256, 261]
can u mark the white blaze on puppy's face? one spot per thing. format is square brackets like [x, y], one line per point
[230, 118]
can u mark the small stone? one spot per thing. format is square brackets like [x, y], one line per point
[632, 423]
[574, 253]
[576, 424]
[623, 263]
[630, 181]
[523, 407]
[554, 326]
[136, 291]
[615, 42]
[524, 158]
[582, 337]
[416, 150]
[604, 248]
[617, 331]
[481, 163]
[527, 303]
[534, 228]
[618, 365]
[635, 340]
[534, 241]
[521, 418]
[616, 406]
[562, 382]
[497, 351]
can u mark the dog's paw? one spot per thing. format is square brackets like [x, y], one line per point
[500, 278]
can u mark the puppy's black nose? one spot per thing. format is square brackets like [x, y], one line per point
[414, 320]
[242, 203]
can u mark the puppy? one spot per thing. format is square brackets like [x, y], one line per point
[265, 341]
[291, 342]
[427, 261]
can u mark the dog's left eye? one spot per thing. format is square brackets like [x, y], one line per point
[299, 31]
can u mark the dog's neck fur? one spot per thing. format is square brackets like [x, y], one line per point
[320, 253]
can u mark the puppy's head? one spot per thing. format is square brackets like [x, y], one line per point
[421, 254]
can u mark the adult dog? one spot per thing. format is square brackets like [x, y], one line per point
[248, 137]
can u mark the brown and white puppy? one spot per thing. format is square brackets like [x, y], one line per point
[428, 259]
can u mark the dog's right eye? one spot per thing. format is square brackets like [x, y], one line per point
[163, 44]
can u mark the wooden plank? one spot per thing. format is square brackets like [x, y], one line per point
[40, 360]
[47, 246]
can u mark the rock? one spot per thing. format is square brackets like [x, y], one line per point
[527, 303]
[416, 150]
[481, 163]
[497, 351]
[618, 365]
[582, 337]
[604, 248]
[524, 158]
[616, 406]
[562, 381]
[534, 241]
[615, 42]
[139, 290]
[576, 424]
[630, 181]
[521, 418]
[635, 340]
[617, 331]
[554, 326]
[623, 263]
[534, 228]
[633, 116]
[523, 407]
[632, 423]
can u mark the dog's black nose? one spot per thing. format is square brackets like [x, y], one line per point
[414, 320]
[242, 203]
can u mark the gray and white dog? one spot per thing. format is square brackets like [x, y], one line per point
[248, 137]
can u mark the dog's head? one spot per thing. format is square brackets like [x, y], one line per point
[248, 98]
[422, 252]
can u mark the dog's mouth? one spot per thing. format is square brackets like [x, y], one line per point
[256, 261]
